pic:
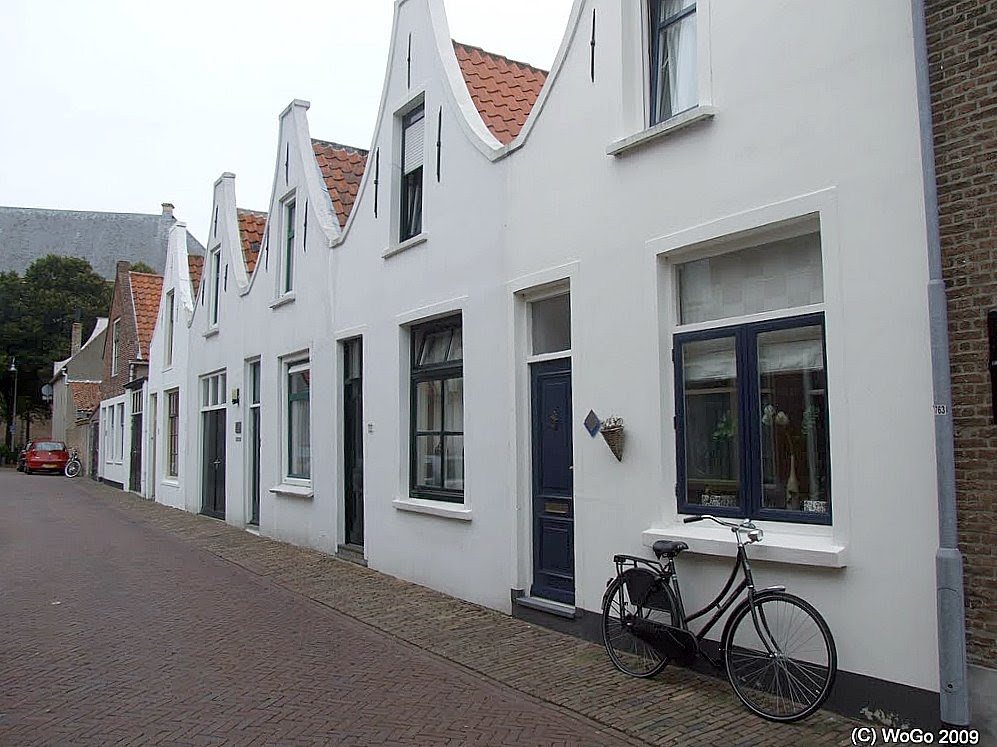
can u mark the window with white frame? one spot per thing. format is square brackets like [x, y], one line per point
[172, 433]
[299, 458]
[413, 137]
[109, 434]
[115, 345]
[168, 317]
[214, 278]
[673, 49]
[751, 396]
[437, 411]
[287, 258]
[213, 391]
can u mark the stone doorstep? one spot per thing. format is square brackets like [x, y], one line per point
[679, 707]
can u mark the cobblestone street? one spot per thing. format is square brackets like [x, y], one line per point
[127, 622]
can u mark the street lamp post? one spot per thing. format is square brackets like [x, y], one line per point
[13, 424]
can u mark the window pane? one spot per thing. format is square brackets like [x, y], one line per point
[428, 406]
[781, 275]
[677, 82]
[670, 8]
[254, 383]
[300, 439]
[456, 345]
[794, 438]
[454, 465]
[551, 325]
[428, 464]
[709, 371]
[453, 416]
[434, 347]
[298, 382]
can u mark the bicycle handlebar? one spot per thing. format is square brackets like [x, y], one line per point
[744, 526]
[690, 519]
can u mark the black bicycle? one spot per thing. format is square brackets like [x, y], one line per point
[776, 649]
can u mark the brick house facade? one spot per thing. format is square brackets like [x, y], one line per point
[121, 323]
[962, 52]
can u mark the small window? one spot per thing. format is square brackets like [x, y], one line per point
[172, 433]
[115, 345]
[288, 274]
[121, 431]
[437, 429]
[674, 84]
[137, 402]
[413, 136]
[551, 322]
[213, 391]
[215, 288]
[168, 318]
[299, 464]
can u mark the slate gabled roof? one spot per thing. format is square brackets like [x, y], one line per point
[146, 291]
[252, 225]
[342, 168]
[503, 90]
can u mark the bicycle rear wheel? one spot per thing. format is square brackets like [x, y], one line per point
[781, 661]
[630, 654]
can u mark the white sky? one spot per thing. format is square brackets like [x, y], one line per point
[120, 105]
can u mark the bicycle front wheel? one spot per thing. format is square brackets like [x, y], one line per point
[780, 657]
[629, 654]
[72, 469]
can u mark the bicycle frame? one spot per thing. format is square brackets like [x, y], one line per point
[722, 602]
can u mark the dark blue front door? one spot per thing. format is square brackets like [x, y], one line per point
[553, 508]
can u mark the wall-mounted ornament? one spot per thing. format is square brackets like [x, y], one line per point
[612, 431]
[592, 423]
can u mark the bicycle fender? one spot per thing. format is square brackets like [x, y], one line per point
[746, 602]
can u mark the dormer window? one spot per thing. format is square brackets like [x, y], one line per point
[413, 131]
[674, 84]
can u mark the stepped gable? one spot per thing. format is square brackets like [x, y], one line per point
[252, 226]
[342, 168]
[503, 90]
[146, 291]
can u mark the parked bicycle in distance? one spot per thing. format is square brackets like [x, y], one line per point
[73, 466]
[776, 649]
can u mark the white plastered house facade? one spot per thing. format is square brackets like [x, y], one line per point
[167, 424]
[678, 261]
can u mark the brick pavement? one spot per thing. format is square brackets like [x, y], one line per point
[492, 650]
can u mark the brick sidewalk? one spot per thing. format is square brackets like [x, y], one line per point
[678, 707]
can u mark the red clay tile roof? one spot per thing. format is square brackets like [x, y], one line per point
[342, 168]
[503, 90]
[252, 225]
[146, 290]
[195, 264]
[86, 395]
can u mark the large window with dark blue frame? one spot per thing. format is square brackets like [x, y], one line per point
[752, 421]
[674, 83]
[437, 433]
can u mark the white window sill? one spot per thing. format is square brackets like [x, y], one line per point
[171, 482]
[293, 491]
[434, 508]
[211, 332]
[283, 300]
[777, 546]
[394, 249]
[678, 122]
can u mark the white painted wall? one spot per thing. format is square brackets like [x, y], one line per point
[175, 492]
[811, 112]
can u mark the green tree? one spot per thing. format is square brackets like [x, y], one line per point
[36, 318]
[143, 267]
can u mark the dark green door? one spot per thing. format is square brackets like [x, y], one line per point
[213, 491]
[353, 439]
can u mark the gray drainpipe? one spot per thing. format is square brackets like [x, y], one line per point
[954, 695]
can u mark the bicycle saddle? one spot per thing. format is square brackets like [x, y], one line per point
[671, 548]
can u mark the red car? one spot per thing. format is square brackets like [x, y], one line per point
[45, 455]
